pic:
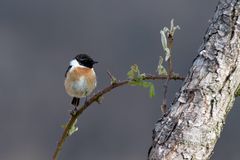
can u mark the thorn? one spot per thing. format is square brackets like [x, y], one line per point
[112, 78]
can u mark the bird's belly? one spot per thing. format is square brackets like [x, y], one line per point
[79, 88]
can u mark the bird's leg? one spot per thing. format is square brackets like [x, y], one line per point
[75, 102]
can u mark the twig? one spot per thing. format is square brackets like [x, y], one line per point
[112, 78]
[95, 98]
[170, 61]
[169, 72]
[164, 103]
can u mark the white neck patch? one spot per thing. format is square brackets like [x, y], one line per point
[74, 63]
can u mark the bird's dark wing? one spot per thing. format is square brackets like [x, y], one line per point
[69, 67]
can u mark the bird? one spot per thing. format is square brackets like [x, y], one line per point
[80, 78]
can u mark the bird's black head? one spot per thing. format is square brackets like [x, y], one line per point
[85, 60]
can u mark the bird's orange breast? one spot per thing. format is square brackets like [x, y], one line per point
[79, 71]
[83, 78]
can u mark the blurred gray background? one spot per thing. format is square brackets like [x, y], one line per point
[39, 38]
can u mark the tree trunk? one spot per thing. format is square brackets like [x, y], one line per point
[195, 120]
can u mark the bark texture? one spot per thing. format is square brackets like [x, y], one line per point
[195, 120]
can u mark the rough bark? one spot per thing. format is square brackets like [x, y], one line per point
[195, 120]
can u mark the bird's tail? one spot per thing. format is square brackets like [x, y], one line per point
[75, 101]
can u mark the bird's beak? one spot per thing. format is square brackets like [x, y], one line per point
[95, 62]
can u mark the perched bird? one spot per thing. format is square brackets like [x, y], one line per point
[80, 78]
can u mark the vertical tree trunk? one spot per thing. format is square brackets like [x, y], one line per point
[195, 120]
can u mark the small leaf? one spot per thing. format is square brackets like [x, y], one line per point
[136, 79]
[146, 84]
[99, 99]
[163, 39]
[167, 52]
[134, 73]
[160, 69]
[142, 75]
[165, 30]
[135, 83]
[176, 27]
[172, 25]
[164, 45]
[151, 91]
[73, 129]
[173, 28]
[114, 80]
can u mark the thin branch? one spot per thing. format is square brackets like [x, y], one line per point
[95, 98]
[170, 61]
[169, 72]
[164, 103]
